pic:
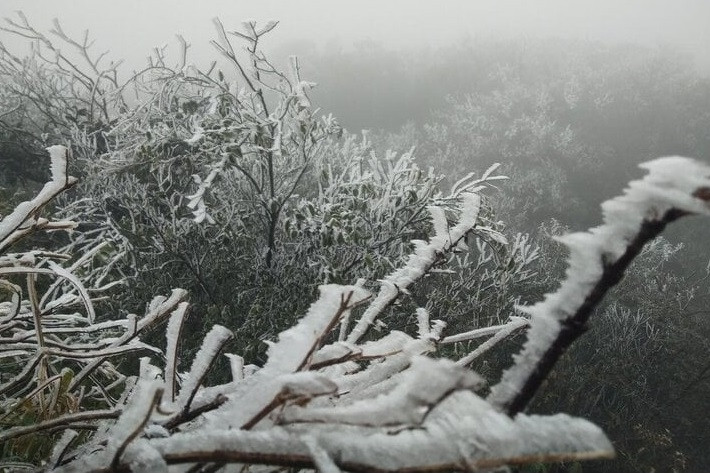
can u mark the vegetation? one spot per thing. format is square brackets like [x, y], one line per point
[229, 184]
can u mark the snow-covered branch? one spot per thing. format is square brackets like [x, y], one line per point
[25, 217]
[673, 187]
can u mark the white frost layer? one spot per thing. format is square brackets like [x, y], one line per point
[209, 350]
[59, 155]
[292, 352]
[670, 184]
[463, 430]
[59, 182]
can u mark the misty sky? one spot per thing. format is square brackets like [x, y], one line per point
[130, 28]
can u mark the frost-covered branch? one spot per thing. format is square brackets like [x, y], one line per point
[25, 216]
[673, 187]
[426, 256]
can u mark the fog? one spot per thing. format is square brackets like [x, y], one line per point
[375, 33]
[130, 28]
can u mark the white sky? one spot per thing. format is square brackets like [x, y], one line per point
[130, 28]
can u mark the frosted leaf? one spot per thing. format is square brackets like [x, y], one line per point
[236, 366]
[514, 322]
[423, 322]
[172, 335]
[487, 174]
[270, 25]
[438, 218]
[503, 332]
[134, 415]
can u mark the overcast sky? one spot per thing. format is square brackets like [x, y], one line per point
[130, 28]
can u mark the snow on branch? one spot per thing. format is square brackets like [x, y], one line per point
[24, 217]
[673, 187]
[213, 343]
[423, 386]
[297, 344]
[42, 343]
[338, 403]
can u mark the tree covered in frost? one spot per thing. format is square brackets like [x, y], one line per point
[231, 174]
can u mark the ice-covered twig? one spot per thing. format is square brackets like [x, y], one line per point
[673, 187]
[297, 344]
[420, 388]
[425, 256]
[59, 421]
[483, 332]
[504, 331]
[135, 416]
[158, 310]
[293, 352]
[236, 366]
[464, 432]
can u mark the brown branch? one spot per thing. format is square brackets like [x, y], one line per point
[189, 415]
